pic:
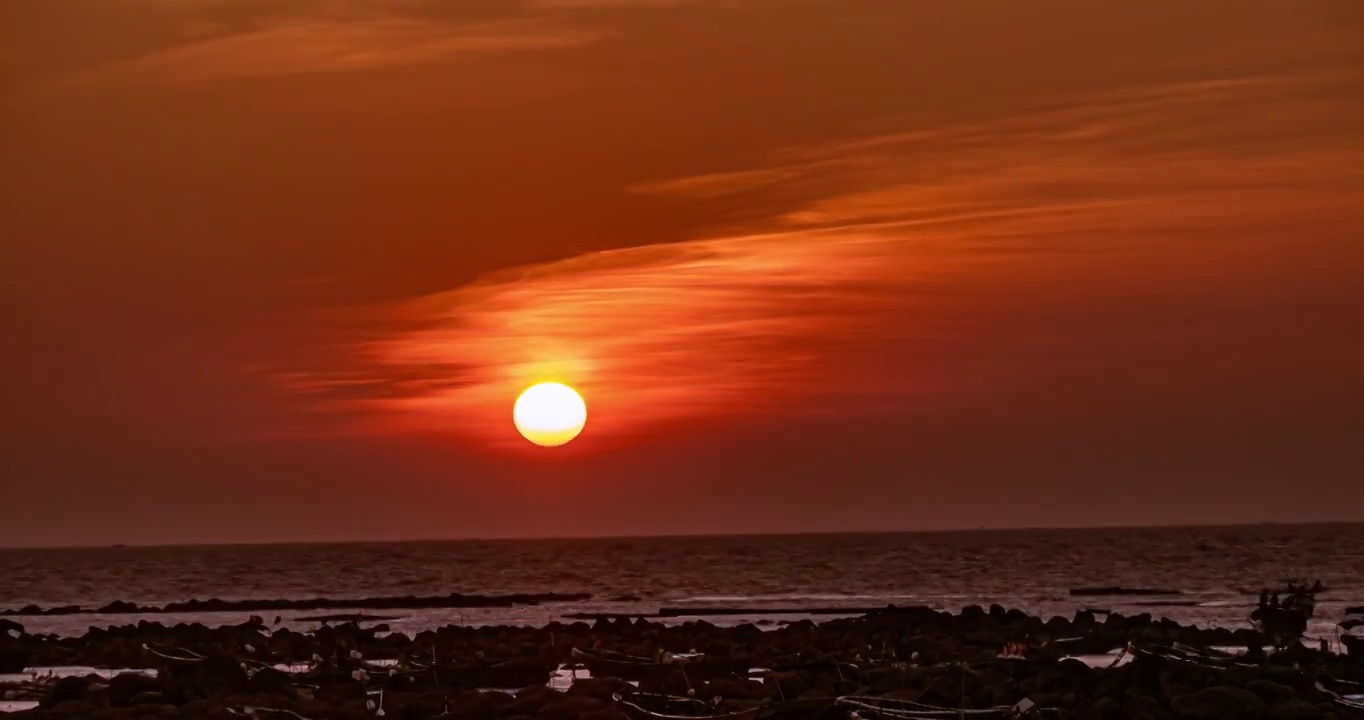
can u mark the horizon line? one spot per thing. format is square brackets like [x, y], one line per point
[683, 536]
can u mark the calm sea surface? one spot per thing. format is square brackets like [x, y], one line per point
[1218, 570]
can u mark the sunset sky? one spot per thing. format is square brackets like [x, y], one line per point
[278, 269]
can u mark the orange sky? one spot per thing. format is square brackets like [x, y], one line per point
[815, 265]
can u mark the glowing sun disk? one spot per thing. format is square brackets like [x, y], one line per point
[550, 414]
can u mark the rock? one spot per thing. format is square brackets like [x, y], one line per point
[786, 685]
[515, 673]
[197, 708]
[946, 691]
[126, 686]
[531, 700]
[571, 708]
[729, 688]
[150, 697]
[1104, 709]
[414, 705]
[216, 677]
[1271, 692]
[14, 657]
[1219, 703]
[1297, 710]
[474, 705]
[66, 690]
[272, 681]
[75, 709]
[1063, 675]
[600, 688]
[348, 692]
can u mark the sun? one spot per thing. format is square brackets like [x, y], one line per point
[550, 414]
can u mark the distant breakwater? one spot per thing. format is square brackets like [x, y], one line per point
[457, 600]
[405, 602]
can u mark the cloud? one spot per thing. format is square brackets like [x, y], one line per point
[613, 3]
[330, 46]
[1211, 136]
[934, 266]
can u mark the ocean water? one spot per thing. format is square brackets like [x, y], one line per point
[1218, 571]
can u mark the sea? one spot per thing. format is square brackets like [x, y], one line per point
[1216, 571]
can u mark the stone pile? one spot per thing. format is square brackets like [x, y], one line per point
[978, 658]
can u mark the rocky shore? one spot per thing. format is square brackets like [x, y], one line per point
[894, 663]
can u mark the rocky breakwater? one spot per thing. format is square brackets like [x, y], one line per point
[980, 658]
[402, 602]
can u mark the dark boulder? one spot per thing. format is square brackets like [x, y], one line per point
[348, 692]
[75, 709]
[216, 677]
[531, 700]
[1219, 703]
[151, 697]
[273, 682]
[600, 688]
[787, 685]
[1298, 710]
[1064, 675]
[126, 686]
[68, 689]
[571, 708]
[731, 688]
[1271, 692]
[475, 705]
[417, 706]
[14, 657]
[514, 673]
[947, 691]
[1104, 709]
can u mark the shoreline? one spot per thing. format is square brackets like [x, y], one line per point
[1081, 666]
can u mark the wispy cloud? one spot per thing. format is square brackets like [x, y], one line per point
[329, 46]
[1239, 134]
[884, 260]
